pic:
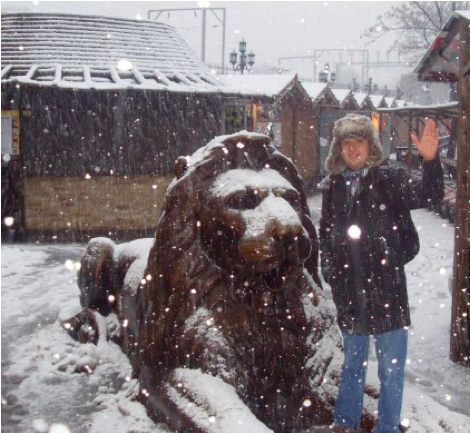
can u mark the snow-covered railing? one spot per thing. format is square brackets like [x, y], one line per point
[85, 76]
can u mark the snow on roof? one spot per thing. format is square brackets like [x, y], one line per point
[314, 90]
[112, 78]
[79, 51]
[263, 85]
[360, 97]
[444, 108]
[399, 103]
[341, 94]
[72, 40]
[376, 100]
[390, 102]
[463, 14]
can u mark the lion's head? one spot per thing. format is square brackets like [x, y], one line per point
[242, 203]
[250, 222]
[233, 264]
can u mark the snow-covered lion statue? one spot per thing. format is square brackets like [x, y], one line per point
[226, 298]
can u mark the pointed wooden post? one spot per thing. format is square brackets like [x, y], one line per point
[460, 320]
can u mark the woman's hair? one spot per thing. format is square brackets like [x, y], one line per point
[353, 126]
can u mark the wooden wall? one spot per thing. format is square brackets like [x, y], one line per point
[124, 140]
[95, 205]
[129, 132]
[299, 134]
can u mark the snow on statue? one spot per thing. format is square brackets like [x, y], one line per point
[227, 296]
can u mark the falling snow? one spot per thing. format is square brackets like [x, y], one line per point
[51, 383]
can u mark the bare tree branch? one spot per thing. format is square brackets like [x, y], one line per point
[439, 12]
[415, 24]
[423, 7]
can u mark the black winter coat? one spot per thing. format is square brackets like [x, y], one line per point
[367, 275]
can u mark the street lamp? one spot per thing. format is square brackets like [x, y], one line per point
[246, 62]
[326, 76]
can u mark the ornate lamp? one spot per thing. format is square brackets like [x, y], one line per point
[245, 62]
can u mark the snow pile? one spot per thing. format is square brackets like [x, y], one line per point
[218, 408]
[327, 359]
[138, 249]
[230, 181]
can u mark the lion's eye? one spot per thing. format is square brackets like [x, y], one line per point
[293, 198]
[243, 200]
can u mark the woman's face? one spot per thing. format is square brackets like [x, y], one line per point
[355, 152]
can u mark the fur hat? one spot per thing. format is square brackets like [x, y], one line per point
[353, 126]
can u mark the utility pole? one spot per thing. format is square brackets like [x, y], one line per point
[215, 11]
[360, 57]
[317, 54]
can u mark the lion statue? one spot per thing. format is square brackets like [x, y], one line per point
[228, 289]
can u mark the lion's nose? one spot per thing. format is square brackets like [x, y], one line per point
[283, 231]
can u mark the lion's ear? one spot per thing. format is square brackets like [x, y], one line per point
[181, 165]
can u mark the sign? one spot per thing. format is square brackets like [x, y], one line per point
[10, 134]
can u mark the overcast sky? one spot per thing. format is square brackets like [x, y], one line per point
[272, 29]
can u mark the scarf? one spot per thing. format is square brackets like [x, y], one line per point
[353, 179]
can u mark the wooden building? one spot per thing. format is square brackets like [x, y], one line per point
[346, 99]
[364, 101]
[94, 112]
[290, 111]
[378, 101]
[329, 109]
[305, 128]
[262, 105]
[448, 59]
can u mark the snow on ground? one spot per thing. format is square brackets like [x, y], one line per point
[51, 383]
[436, 393]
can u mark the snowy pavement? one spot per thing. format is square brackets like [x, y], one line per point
[42, 390]
[429, 371]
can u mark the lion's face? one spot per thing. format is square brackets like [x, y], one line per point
[250, 221]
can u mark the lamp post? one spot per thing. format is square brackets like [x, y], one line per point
[246, 62]
[326, 76]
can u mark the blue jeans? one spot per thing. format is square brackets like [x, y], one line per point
[390, 348]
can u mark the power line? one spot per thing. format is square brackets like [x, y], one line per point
[349, 57]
